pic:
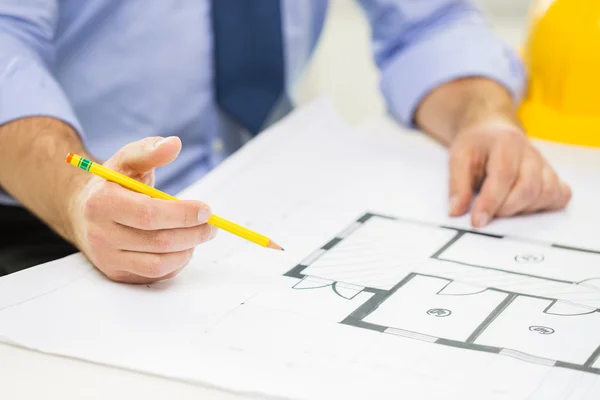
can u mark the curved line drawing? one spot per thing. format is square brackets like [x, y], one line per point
[315, 285]
[572, 315]
[588, 280]
[439, 312]
[334, 287]
[458, 294]
[312, 287]
[547, 310]
[461, 294]
[542, 330]
[529, 258]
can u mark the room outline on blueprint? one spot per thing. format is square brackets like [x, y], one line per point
[533, 301]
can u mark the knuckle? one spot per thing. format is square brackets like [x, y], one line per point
[505, 157]
[530, 189]
[163, 241]
[95, 238]
[460, 151]
[190, 215]
[515, 136]
[92, 206]
[145, 216]
[505, 173]
[148, 143]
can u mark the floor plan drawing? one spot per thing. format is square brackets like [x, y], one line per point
[536, 302]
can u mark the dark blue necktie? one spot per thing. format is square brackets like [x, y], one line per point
[249, 64]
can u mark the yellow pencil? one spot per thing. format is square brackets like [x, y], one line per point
[132, 184]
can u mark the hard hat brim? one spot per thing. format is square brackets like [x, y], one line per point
[544, 123]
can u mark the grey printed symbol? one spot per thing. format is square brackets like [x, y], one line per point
[529, 258]
[439, 312]
[542, 330]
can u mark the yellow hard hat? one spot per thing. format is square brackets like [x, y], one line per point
[562, 56]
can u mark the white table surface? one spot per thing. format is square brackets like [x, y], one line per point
[26, 374]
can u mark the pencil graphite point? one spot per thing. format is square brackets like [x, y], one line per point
[275, 246]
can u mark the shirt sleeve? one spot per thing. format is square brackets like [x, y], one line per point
[421, 44]
[27, 86]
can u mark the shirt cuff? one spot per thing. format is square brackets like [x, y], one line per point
[457, 51]
[27, 89]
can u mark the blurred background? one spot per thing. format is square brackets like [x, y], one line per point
[343, 70]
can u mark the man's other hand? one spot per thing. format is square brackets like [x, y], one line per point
[476, 119]
[495, 157]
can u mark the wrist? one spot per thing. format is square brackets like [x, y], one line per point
[463, 104]
[70, 206]
[34, 172]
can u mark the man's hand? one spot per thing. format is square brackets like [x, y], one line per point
[489, 152]
[513, 177]
[129, 236]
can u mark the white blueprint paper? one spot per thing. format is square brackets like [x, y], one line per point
[378, 293]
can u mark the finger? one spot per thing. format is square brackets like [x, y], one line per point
[160, 241]
[115, 203]
[146, 154]
[502, 172]
[567, 193]
[524, 196]
[466, 167]
[128, 277]
[153, 266]
[555, 193]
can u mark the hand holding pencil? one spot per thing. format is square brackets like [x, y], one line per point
[134, 233]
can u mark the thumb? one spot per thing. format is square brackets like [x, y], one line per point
[143, 156]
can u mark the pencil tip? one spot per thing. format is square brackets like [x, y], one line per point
[275, 246]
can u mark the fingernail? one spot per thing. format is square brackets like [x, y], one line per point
[162, 141]
[203, 215]
[481, 219]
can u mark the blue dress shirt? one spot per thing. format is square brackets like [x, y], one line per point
[121, 70]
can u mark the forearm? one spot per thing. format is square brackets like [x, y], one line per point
[33, 170]
[461, 103]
